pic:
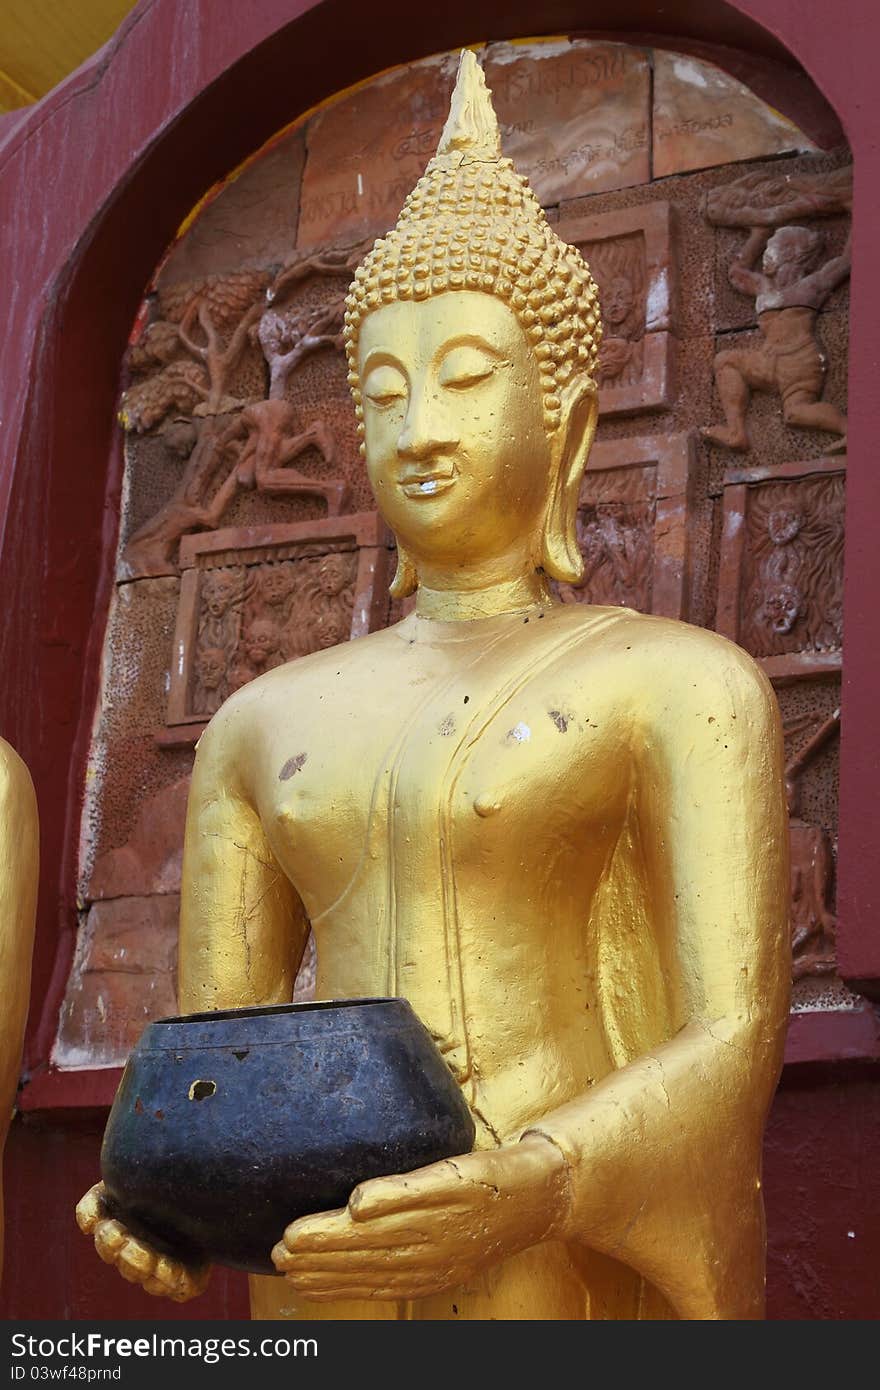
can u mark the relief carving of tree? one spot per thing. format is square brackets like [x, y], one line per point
[185, 363]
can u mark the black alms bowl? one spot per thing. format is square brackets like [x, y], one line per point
[228, 1126]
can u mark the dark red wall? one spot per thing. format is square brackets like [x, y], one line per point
[822, 1191]
[821, 1185]
[51, 1270]
[93, 183]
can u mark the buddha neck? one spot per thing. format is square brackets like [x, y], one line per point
[461, 604]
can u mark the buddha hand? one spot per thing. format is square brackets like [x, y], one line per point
[135, 1261]
[419, 1233]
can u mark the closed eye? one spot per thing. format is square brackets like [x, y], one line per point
[384, 385]
[465, 366]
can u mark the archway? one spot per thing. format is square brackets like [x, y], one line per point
[73, 320]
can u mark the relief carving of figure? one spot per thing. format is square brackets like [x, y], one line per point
[208, 692]
[331, 628]
[620, 357]
[253, 618]
[222, 591]
[620, 273]
[794, 532]
[790, 288]
[615, 542]
[187, 362]
[813, 922]
[333, 574]
[262, 645]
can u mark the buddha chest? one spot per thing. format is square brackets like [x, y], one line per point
[447, 844]
[497, 751]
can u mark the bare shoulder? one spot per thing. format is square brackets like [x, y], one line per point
[662, 664]
[295, 685]
[674, 666]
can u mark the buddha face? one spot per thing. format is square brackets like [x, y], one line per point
[457, 452]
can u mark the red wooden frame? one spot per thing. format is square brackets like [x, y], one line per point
[96, 179]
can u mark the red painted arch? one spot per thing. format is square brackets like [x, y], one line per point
[94, 182]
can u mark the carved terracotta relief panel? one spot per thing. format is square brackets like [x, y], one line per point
[252, 598]
[780, 596]
[630, 254]
[633, 525]
[781, 577]
[247, 532]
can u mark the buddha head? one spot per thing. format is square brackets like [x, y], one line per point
[472, 335]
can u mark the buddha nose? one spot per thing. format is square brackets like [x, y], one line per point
[427, 429]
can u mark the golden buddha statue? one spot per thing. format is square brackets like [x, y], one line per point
[19, 872]
[558, 830]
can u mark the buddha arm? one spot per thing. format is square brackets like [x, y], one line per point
[663, 1155]
[19, 867]
[242, 927]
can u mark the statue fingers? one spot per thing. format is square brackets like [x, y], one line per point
[437, 1185]
[170, 1279]
[330, 1230]
[350, 1264]
[332, 1288]
[190, 1281]
[342, 1234]
[110, 1237]
[135, 1262]
[317, 1230]
[90, 1209]
[155, 1287]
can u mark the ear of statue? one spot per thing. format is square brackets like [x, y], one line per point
[570, 445]
[406, 579]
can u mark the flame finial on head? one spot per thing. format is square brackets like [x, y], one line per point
[473, 223]
[471, 127]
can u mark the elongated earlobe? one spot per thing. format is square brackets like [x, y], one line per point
[406, 579]
[571, 443]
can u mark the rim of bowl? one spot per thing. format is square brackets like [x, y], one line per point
[260, 1011]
